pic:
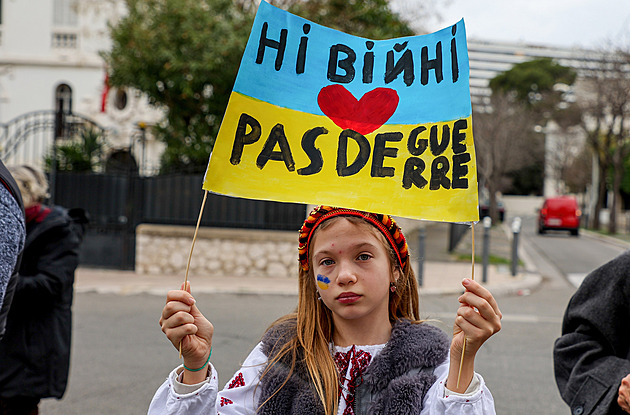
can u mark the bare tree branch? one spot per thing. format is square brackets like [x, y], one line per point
[504, 142]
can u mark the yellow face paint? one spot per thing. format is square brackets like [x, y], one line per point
[323, 281]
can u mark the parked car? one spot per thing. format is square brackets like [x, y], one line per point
[484, 209]
[559, 213]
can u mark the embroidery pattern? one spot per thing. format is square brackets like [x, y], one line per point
[351, 366]
[237, 381]
[226, 401]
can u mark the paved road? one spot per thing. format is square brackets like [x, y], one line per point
[567, 256]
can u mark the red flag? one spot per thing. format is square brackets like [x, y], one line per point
[105, 92]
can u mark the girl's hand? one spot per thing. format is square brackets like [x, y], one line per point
[623, 399]
[478, 318]
[183, 323]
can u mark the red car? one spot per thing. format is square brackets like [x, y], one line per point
[559, 213]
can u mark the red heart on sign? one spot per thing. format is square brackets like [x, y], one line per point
[363, 116]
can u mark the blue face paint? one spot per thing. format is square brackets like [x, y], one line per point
[323, 281]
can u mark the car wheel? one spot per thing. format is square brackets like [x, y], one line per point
[575, 232]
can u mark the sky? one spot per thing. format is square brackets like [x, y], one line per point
[564, 23]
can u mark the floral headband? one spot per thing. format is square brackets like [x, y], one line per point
[383, 223]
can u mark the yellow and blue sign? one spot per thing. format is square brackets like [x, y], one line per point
[323, 117]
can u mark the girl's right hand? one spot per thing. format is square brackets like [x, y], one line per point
[183, 323]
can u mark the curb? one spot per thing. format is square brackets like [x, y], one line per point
[605, 238]
[523, 284]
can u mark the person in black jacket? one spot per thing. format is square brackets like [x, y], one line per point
[592, 357]
[11, 240]
[35, 351]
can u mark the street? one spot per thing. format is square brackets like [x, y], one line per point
[568, 256]
[120, 356]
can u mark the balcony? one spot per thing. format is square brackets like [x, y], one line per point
[64, 40]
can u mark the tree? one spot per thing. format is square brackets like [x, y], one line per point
[579, 172]
[184, 55]
[372, 19]
[505, 141]
[536, 87]
[606, 110]
[534, 83]
[528, 180]
[564, 141]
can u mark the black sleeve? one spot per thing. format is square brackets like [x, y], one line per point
[592, 355]
[54, 268]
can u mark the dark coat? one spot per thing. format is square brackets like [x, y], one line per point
[9, 183]
[35, 351]
[593, 353]
[394, 383]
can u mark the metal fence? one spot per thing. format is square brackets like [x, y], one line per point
[176, 199]
[118, 203]
[29, 137]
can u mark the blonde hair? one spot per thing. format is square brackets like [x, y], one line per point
[32, 182]
[315, 326]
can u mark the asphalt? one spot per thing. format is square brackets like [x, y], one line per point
[442, 270]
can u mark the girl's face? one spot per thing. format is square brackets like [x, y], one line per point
[352, 271]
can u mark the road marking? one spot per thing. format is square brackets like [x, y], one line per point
[576, 278]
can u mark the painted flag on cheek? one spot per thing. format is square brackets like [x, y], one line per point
[322, 117]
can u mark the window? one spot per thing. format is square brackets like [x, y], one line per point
[120, 99]
[65, 13]
[65, 22]
[63, 106]
[63, 99]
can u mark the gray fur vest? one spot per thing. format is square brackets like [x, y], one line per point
[394, 383]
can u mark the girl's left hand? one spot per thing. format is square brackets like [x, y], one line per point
[478, 318]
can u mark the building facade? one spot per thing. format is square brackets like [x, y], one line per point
[50, 62]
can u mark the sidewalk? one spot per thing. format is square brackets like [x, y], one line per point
[442, 271]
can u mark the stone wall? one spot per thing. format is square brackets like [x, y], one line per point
[164, 249]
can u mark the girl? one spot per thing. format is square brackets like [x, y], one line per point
[355, 345]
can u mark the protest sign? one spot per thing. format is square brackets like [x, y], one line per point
[323, 117]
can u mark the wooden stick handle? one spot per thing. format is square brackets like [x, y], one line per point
[461, 362]
[203, 204]
[472, 231]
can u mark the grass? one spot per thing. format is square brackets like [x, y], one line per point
[621, 236]
[492, 259]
